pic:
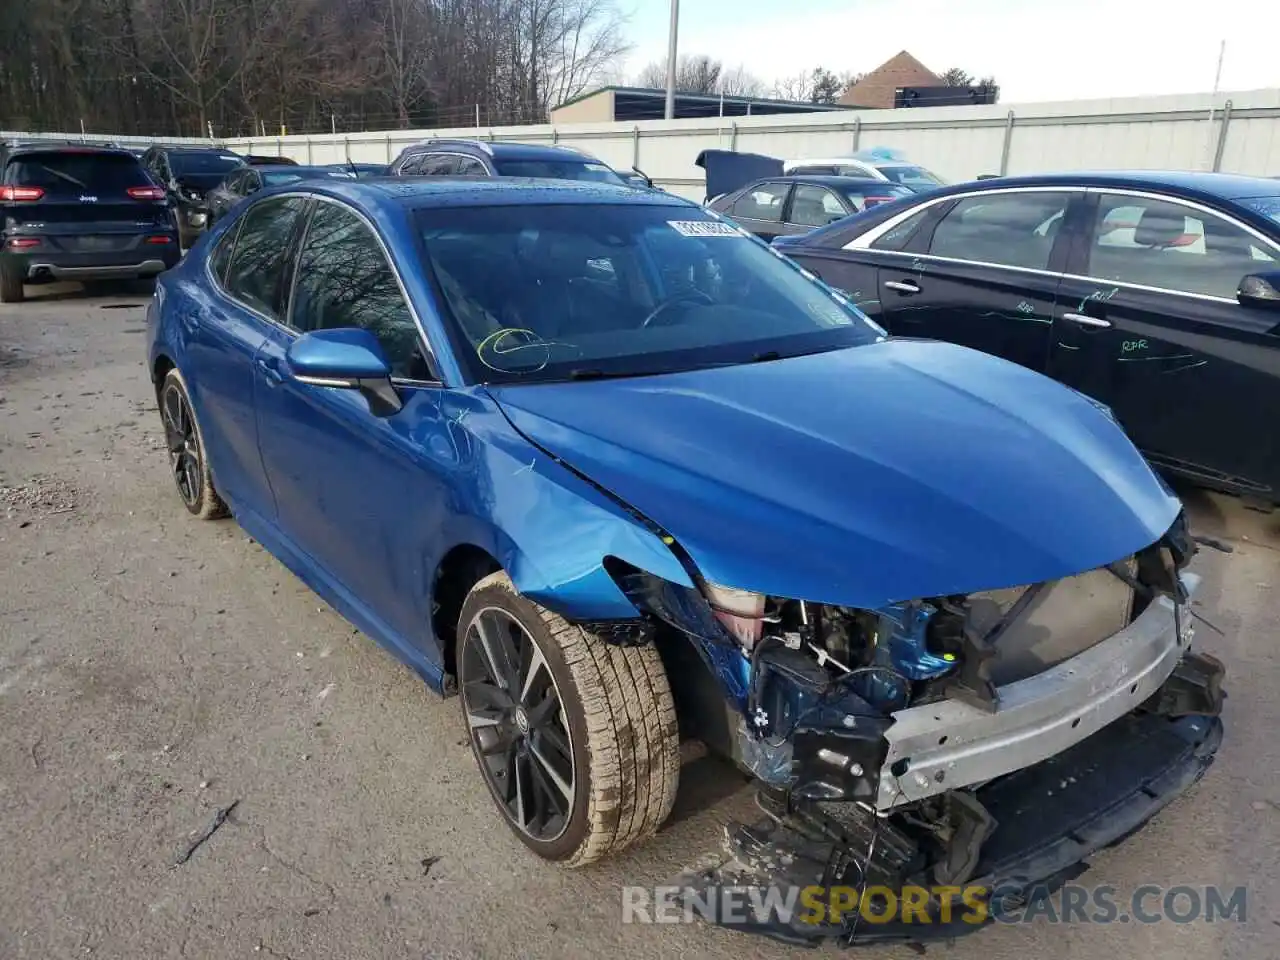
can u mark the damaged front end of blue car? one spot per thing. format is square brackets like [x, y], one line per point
[985, 742]
[944, 619]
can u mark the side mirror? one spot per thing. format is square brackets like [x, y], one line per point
[348, 359]
[1260, 290]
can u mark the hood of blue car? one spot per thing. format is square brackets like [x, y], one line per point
[863, 476]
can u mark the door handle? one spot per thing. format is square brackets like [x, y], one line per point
[1087, 321]
[271, 372]
[903, 286]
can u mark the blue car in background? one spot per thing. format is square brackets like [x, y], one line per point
[618, 475]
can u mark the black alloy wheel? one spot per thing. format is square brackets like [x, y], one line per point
[516, 720]
[184, 446]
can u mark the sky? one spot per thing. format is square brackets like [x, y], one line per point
[1036, 49]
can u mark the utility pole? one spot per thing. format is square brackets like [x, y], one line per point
[671, 59]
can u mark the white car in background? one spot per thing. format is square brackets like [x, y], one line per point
[879, 164]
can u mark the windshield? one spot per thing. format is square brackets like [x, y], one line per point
[1269, 207]
[911, 176]
[620, 290]
[558, 170]
[206, 163]
[284, 176]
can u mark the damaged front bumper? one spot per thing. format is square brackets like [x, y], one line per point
[1071, 761]
[1047, 820]
[942, 746]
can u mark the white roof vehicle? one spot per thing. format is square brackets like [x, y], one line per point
[878, 164]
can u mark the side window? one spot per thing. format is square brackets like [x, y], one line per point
[437, 165]
[344, 280]
[897, 238]
[810, 168]
[235, 183]
[762, 202]
[411, 166]
[471, 167]
[255, 274]
[814, 206]
[1013, 229]
[1157, 243]
[221, 255]
[251, 183]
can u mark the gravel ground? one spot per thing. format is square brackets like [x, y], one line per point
[155, 670]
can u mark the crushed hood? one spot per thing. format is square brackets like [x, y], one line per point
[863, 476]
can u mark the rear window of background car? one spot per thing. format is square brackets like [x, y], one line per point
[1158, 243]
[77, 172]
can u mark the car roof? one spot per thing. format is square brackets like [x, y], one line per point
[429, 192]
[837, 182]
[56, 146]
[1186, 183]
[506, 151]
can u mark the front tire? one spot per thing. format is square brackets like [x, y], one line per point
[188, 460]
[576, 739]
[11, 289]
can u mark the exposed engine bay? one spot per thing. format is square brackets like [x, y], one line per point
[907, 743]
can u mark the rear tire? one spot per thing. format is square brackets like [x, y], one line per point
[188, 461]
[11, 290]
[591, 774]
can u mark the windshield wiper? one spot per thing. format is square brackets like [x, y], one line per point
[597, 374]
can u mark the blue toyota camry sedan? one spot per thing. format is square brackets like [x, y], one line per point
[617, 475]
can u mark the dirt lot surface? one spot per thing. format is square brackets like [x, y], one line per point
[155, 669]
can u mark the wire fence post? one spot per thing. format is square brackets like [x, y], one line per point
[333, 123]
[310, 161]
[635, 148]
[1222, 136]
[388, 148]
[1008, 143]
[857, 133]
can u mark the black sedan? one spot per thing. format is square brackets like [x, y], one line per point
[787, 206]
[248, 180]
[1157, 294]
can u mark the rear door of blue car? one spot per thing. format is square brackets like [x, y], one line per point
[247, 266]
[86, 207]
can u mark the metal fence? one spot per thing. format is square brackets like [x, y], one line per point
[1236, 132]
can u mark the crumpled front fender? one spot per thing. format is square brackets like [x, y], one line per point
[551, 530]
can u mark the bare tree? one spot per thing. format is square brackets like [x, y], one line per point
[695, 73]
[175, 66]
[794, 87]
[738, 82]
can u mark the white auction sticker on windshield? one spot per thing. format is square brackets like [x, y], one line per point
[704, 228]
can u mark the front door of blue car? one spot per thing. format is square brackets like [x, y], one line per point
[355, 491]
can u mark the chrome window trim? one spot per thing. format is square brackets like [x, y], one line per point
[864, 241]
[423, 340]
[1100, 281]
[294, 333]
[222, 288]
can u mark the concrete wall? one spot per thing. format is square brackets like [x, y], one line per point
[596, 108]
[957, 142]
